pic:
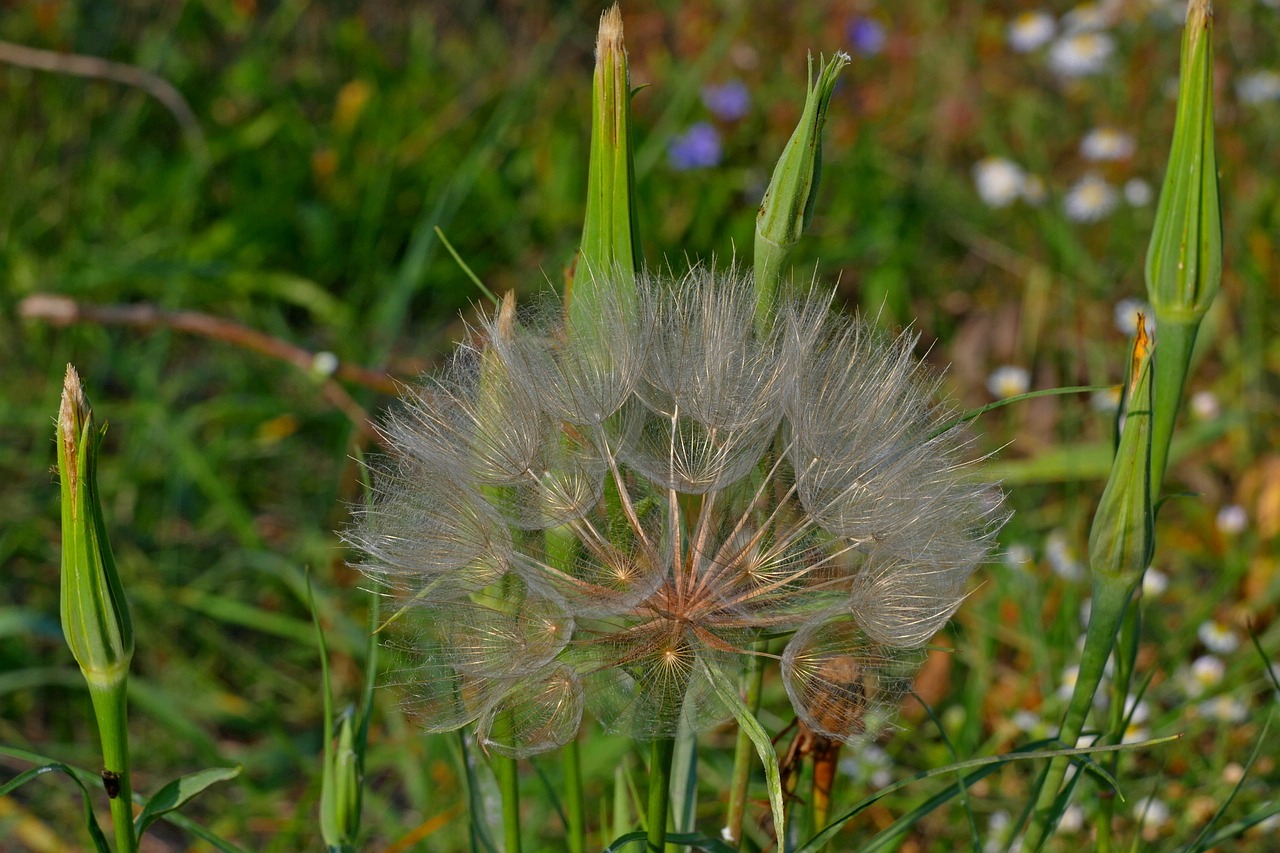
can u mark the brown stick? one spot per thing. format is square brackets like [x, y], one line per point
[97, 68]
[63, 311]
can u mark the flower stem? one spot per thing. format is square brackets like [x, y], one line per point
[110, 708]
[509, 785]
[577, 838]
[743, 750]
[1110, 599]
[659, 792]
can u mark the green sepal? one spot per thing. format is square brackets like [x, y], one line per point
[787, 207]
[95, 614]
[1184, 259]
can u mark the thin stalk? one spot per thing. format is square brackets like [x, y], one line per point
[1110, 598]
[743, 749]
[573, 801]
[1177, 340]
[659, 792]
[509, 785]
[110, 708]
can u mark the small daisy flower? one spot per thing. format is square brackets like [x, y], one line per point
[1205, 406]
[1063, 557]
[1257, 87]
[696, 148]
[1107, 400]
[1007, 381]
[1206, 673]
[870, 766]
[1154, 583]
[1067, 684]
[1233, 773]
[1090, 199]
[1225, 709]
[1027, 722]
[1034, 192]
[1217, 637]
[999, 181]
[1031, 31]
[1232, 520]
[727, 101]
[999, 826]
[1138, 193]
[1126, 316]
[1152, 812]
[1019, 557]
[1085, 18]
[1072, 819]
[1135, 733]
[1107, 143]
[1081, 54]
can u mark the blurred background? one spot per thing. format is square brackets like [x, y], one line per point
[990, 176]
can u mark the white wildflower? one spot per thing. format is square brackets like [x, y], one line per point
[1107, 143]
[1233, 520]
[1008, 380]
[1031, 30]
[1090, 199]
[1258, 87]
[1205, 406]
[1218, 637]
[1138, 193]
[1081, 54]
[999, 181]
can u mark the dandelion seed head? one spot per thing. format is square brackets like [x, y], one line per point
[604, 510]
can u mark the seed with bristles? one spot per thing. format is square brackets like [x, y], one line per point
[613, 506]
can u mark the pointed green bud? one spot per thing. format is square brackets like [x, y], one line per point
[342, 787]
[1184, 260]
[787, 207]
[95, 614]
[610, 238]
[1122, 539]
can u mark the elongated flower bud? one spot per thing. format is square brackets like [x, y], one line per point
[787, 207]
[1184, 260]
[95, 614]
[340, 797]
[1122, 539]
[610, 240]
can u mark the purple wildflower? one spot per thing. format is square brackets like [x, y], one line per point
[696, 148]
[729, 101]
[866, 35]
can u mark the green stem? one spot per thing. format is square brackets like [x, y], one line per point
[1175, 342]
[110, 706]
[743, 749]
[509, 785]
[659, 792]
[1110, 598]
[577, 840]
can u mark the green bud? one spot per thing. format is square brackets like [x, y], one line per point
[342, 788]
[788, 203]
[610, 239]
[1184, 260]
[1122, 539]
[95, 614]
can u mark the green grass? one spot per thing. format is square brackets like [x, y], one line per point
[339, 140]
